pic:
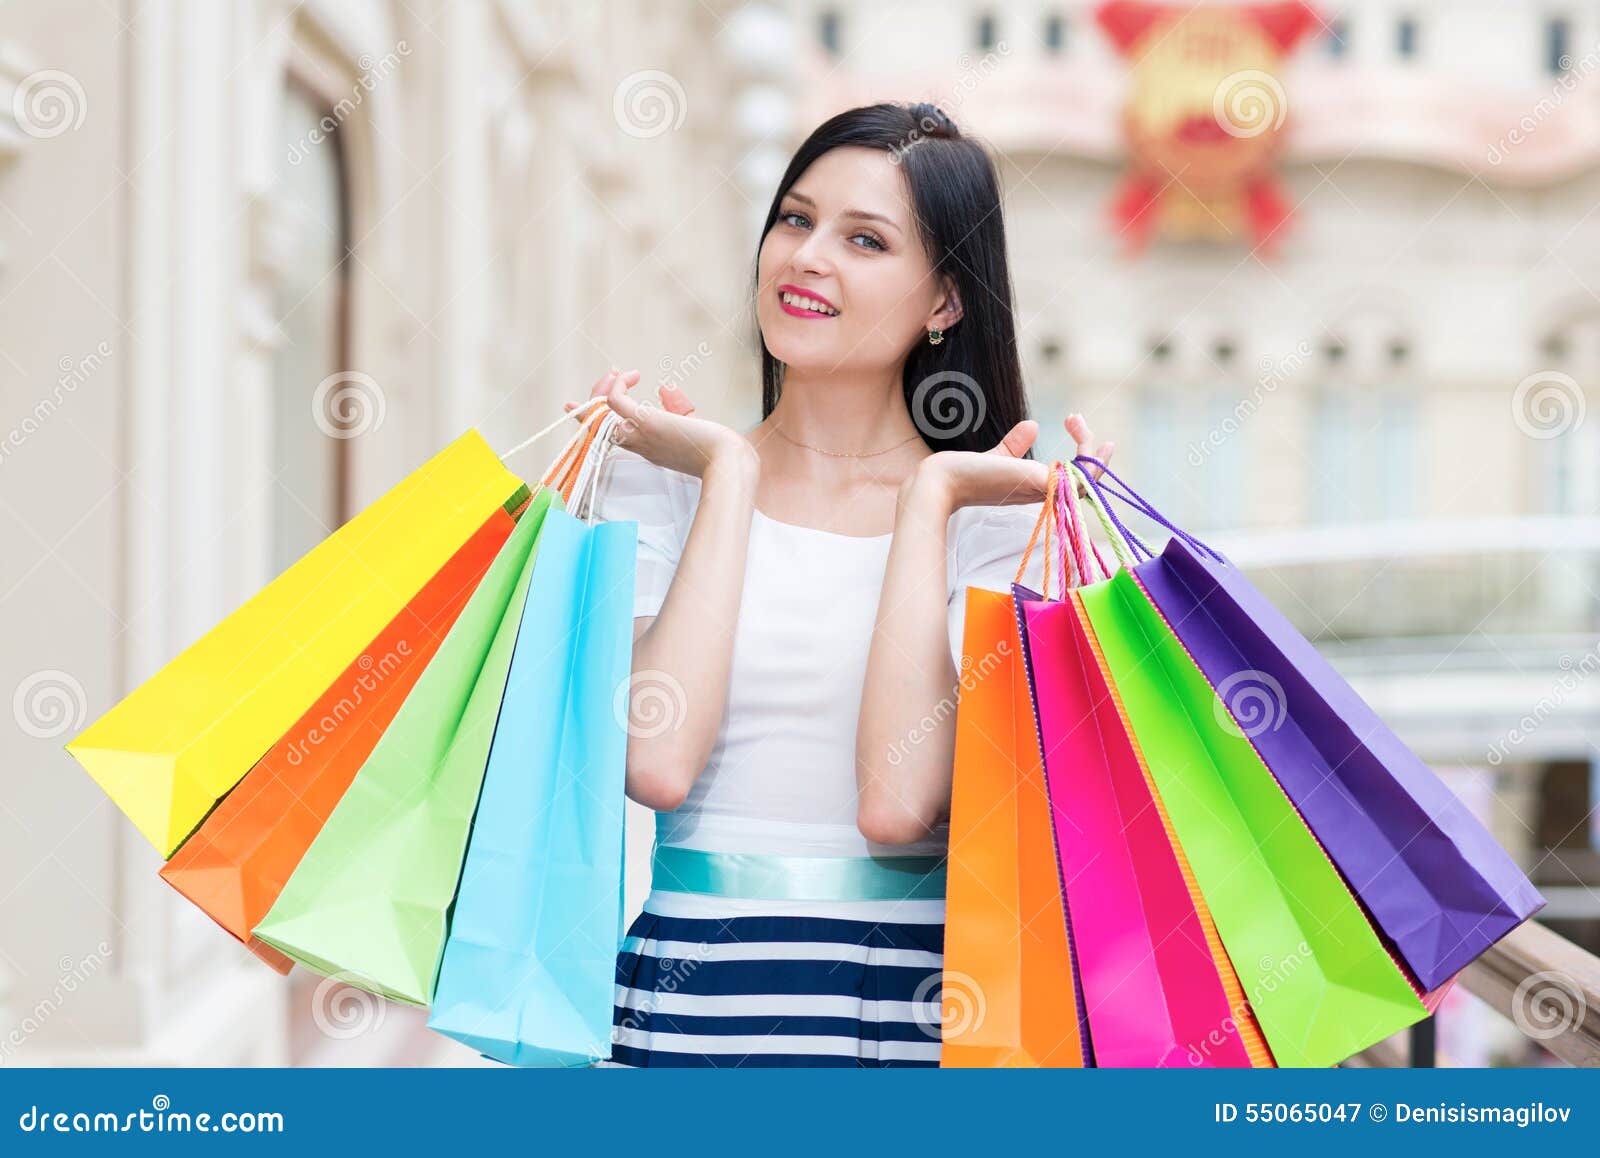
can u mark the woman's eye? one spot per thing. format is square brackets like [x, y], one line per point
[800, 221]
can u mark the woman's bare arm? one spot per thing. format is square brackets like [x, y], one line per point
[905, 736]
[683, 655]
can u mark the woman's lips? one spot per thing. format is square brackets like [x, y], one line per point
[797, 312]
[802, 311]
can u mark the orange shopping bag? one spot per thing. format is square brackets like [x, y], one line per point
[1009, 995]
[238, 861]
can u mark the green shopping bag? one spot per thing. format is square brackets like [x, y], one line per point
[1322, 985]
[368, 902]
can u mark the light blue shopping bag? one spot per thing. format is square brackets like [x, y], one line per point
[529, 965]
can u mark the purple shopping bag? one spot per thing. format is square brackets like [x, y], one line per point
[1432, 878]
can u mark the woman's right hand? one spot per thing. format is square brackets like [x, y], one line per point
[669, 435]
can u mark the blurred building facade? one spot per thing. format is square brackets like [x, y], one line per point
[285, 252]
[261, 259]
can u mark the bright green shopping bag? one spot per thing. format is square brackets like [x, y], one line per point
[368, 902]
[1322, 985]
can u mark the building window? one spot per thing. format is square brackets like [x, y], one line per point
[1405, 37]
[1337, 36]
[1055, 33]
[1171, 484]
[986, 34]
[828, 31]
[311, 301]
[1557, 45]
[1227, 460]
[1399, 447]
[1334, 451]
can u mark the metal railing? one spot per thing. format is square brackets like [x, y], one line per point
[1545, 985]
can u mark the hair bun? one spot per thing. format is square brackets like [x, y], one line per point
[934, 121]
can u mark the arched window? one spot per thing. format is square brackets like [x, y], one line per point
[1364, 419]
[317, 404]
[1551, 407]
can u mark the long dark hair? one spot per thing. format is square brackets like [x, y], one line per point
[966, 392]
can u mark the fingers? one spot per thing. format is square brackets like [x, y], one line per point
[1080, 432]
[618, 399]
[674, 400]
[1104, 455]
[602, 386]
[603, 383]
[1017, 440]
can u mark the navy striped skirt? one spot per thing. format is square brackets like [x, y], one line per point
[733, 989]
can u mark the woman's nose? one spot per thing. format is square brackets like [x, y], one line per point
[810, 257]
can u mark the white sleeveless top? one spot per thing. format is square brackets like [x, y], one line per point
[781, 778]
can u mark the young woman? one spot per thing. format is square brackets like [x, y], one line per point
[799, 606]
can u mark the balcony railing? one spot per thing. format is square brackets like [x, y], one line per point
[1432, 579]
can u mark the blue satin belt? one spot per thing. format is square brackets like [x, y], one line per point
[797, 878]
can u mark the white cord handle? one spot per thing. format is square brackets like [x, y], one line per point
[574, 413]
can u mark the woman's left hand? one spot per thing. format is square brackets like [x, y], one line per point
[999, 476]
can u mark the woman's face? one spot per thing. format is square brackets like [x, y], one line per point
[845, 236]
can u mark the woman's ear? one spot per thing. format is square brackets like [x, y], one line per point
[949, 311]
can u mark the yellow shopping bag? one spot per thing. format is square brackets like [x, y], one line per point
[177, 743]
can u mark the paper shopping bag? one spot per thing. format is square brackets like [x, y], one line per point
[177, 743]
[238, 861]
[1435, 882]
[1158, 987]
[1318, 979]
[367, 902]
[1009, 985]
[528, 966]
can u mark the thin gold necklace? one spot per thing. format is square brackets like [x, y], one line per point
[839, 453]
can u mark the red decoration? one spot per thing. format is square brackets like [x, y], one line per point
[1204, 117]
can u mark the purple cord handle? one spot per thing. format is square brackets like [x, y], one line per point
[1134, 543]
[1141, 504]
